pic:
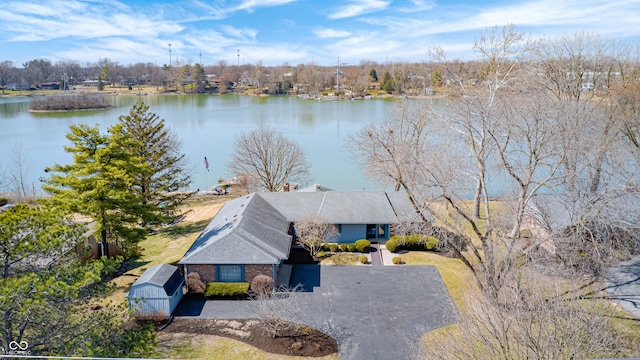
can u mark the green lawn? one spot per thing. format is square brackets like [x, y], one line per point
[341, 259]
[189, 346]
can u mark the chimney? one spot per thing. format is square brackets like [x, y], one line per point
[286, 187]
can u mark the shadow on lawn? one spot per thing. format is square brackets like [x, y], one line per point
[184, 229]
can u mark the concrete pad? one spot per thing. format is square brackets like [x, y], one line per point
[386, 255]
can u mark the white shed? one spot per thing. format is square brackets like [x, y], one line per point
[157, 292]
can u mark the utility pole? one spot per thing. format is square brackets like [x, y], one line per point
[338, 78]
[238, 57]
[200, 57]
[169, 54]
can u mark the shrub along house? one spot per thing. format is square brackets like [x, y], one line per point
[252, 235]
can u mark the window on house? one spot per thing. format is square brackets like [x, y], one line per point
[230, 273]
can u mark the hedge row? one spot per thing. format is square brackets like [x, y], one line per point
[417, 242]
[226, 289]
[362, 245]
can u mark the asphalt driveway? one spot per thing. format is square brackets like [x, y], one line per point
[623, 284]
[375, 312]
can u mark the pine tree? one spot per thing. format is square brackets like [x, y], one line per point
[38, 274]
[98, 184]
[387, 83]
[165, 174]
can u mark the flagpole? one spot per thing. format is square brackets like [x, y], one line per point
[206, 175]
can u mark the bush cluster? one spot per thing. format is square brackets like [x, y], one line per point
[361, 245]
[416, 242]
[363, 259]
[397, 260]
[3, 201]
[321, 254]
[262, 285]
[194, 283]
[226, 289]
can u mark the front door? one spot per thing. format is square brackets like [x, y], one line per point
[371, 231]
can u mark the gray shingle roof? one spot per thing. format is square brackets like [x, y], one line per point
[253, 229]
[340, 207]
[247, 230]
[163, 275]
[315, 188]
[558, 211]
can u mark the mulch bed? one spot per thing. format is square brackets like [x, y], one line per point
[304, 342]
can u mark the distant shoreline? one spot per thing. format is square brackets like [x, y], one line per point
[173, 93]
[87, 109]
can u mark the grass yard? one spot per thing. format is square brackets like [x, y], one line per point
[459, 282]
[341, 259]
[169, 243]
[189, 346]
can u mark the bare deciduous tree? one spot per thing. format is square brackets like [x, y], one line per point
[472, 112]
[269, 158]
[534, 319]
[278, 314]
[314, 231]
[18, 174]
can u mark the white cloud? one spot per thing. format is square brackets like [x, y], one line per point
[73, 19]
[250, 5]
[324, 33]
[418, 5]
[244, 35]
[220, 12]
[359, 7]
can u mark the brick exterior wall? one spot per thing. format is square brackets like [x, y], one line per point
[251, 271]
[208, 272]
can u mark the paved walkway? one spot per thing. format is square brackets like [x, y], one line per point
[623, 284]
[386, 255]
[376, 257]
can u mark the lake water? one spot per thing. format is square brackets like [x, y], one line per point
[206, 125]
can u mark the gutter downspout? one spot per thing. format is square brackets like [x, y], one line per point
[186, 276]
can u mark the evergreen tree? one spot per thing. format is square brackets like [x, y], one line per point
[387, 83]
[373, 75]
[158, 185]
[43, 285]
[98, 184]
[36, 277]
[199, 77]
[436, 78]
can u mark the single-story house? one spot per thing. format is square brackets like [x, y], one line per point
[253, 235]
[547, 215]
[52, 85]
[157, 292]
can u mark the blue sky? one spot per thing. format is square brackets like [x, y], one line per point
[294, 31]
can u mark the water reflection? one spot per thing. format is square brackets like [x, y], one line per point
[207, 125]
